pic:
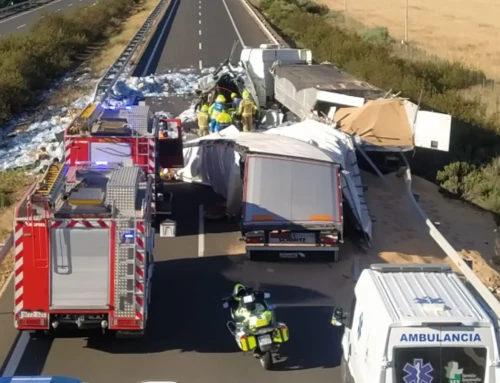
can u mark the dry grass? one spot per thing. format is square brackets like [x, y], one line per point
[451, 29]
[15, 183]
[117, 43]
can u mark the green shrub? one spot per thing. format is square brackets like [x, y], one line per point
[30, 63]
[471, 168]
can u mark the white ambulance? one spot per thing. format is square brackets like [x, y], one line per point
[417, 324]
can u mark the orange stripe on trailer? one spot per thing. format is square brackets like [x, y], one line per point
[263, 217]
[320, 217]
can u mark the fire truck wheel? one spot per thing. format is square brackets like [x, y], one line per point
[39, 334]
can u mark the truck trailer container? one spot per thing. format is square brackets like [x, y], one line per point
[292, 208]
[84, 250]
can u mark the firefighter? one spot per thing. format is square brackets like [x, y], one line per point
[223, 120]
[215, 110]
[247, 109]
[203, 118]
[236, 100]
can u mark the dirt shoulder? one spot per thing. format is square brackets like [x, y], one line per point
[99, 59]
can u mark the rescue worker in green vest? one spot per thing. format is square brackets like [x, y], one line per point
[203, 120]
[223, 120]
[247, 109]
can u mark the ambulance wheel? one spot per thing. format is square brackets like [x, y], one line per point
[266, 361]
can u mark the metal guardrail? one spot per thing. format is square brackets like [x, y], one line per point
[6, 247]
[263, 24]
[20, 7]
[116, 70]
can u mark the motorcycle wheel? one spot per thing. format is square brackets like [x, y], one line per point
[266, 360]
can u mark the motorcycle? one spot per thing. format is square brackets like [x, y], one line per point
[254, 326]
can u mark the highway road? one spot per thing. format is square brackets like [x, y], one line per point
[187, 340]
[22, 22]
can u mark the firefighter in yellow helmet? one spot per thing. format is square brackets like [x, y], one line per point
[223, 120]
[203, 119]
[215, 110]
[247, 109]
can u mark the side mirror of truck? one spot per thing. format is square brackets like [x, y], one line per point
[339, 317]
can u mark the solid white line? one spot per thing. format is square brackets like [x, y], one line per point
[199, 32]
[234, 24]
[25, 13]
[261, 24]
[15, 358]
[155, 48]
[21, 26]
[201, 231]
[199, 46]
[201, 65]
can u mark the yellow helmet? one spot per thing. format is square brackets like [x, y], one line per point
[238, 291]
[246, 94]
[234, 95]
[204, 108]
[220, 98]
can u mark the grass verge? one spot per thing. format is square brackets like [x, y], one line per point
[471, 169]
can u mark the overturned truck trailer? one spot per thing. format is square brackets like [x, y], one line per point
[287, 192]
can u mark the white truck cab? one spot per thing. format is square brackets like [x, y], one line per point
[417, 324]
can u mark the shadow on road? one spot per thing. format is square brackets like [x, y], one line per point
[187, 314]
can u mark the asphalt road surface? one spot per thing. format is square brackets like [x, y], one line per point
[187, 339]
[21, 22]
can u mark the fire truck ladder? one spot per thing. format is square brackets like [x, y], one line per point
[48, 188]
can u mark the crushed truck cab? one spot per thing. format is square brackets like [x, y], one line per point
[417, 324]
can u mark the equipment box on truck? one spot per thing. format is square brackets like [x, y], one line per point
[292, 208]
[84, 250]
[417, 324]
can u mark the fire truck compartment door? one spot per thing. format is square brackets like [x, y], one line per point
[80, 268]
[111, 152]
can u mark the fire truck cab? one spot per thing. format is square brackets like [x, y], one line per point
[84, 250]
[114, 135]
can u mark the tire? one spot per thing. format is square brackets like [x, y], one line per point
[266, 361]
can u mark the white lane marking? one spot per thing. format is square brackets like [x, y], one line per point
[199, 14]
[25, 13]
[21, 26]
[155, 48]
[17, 354]
[199, 46]
[199, 6]
[201, 67]
[199, 22]
[201, 230]
[234, 24]
[70, 5]
[199, 32]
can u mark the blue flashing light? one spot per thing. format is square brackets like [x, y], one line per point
[101, 163]
[129, 235]
[128, 107]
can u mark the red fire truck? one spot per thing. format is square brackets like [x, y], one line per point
[84, 250]
[126, 134]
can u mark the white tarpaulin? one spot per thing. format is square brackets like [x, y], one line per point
[342, 151]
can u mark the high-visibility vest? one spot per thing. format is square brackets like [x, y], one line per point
[224, 118]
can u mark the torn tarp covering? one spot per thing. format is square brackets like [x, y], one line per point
[215, 160]
[341, 149]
